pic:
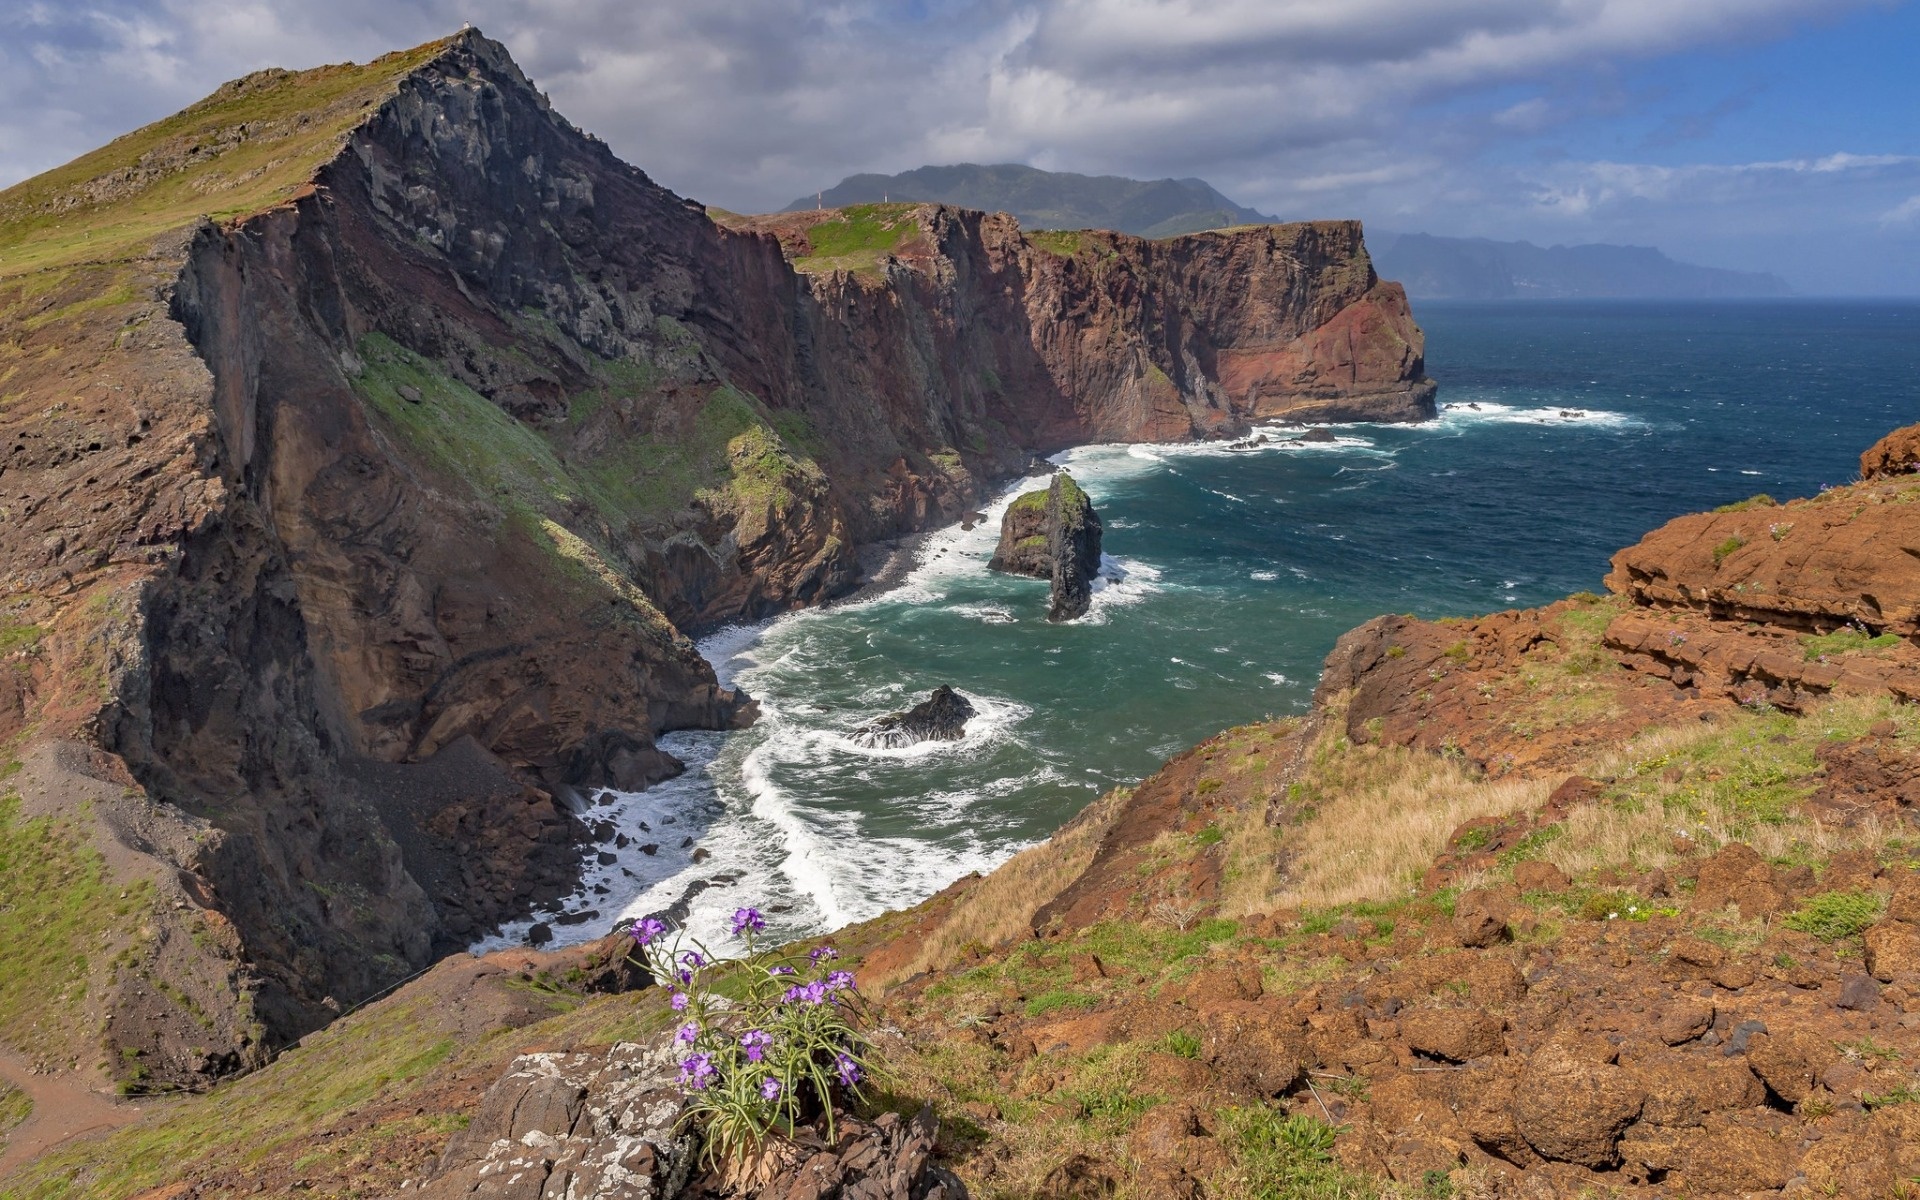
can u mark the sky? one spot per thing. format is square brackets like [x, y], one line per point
[1777, 135]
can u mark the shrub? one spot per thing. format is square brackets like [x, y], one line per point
[1726, 548]
[773, 1051]
[1831, 916]
[1762, 500]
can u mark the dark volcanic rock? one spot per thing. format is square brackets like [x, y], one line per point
[941, 717]
[1053, 535]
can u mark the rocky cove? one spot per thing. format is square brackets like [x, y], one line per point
[427, 460]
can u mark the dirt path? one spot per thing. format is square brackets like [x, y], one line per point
[63, 1108]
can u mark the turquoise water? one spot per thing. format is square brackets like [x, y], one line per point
[1567, 430]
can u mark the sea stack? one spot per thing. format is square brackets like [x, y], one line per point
[1053, 535]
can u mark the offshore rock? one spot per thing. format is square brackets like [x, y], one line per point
[941, 717]
[1053, 535]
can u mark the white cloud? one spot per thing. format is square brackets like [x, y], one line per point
[1907, 212]
[1383, 108]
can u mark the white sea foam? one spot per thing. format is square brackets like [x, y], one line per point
[1263, 576]
[1464, 414]
[1122, 582]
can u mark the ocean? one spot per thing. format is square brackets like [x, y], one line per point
[1566, 431]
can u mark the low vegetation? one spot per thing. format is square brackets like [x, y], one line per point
[56, 899]
[249, 146]
[859, 237]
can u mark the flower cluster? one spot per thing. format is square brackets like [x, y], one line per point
[769, 1055]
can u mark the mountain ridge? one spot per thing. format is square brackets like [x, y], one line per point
[1433, 268]
[1042, 199]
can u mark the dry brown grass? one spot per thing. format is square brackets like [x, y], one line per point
[1371, 819]
[1374, 817]
[1711, 802]
[999, 909]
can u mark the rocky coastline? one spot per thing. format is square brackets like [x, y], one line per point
[426, 468]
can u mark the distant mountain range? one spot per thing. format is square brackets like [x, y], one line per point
[1052, 199]
[1434, 268]
[1431, 267]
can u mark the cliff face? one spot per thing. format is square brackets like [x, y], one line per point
[347, 535]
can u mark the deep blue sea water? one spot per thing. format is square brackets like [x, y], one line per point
[1567, 430]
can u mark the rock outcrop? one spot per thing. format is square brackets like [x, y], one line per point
[1782, 603]
[941, 717]
[606, 1125]
[347, 538]
[1053, 535]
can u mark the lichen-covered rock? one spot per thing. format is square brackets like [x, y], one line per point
[572, 1124]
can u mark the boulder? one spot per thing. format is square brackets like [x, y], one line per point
[941, 717]
[1053, 535]
[1479, 918]
[1898, 453]
[1790, 1061]
[1893, 951]
[1455, 1034]
[1737, 875]
[1572, 1103]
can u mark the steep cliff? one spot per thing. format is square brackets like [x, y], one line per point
[351, 530]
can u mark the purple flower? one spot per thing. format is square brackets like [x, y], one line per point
[780, 971]
[812, 993]
[696, 1071]
[644, 931]
[770, 1088]
[748, 920]
[692, 960]
[822, 952]
[684, 976]
[839, 980]
[849, 1069]
[679, 1002]
[688, 1032]
[756, 1043]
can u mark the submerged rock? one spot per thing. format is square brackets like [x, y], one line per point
[1053, 535]
[941, 717]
